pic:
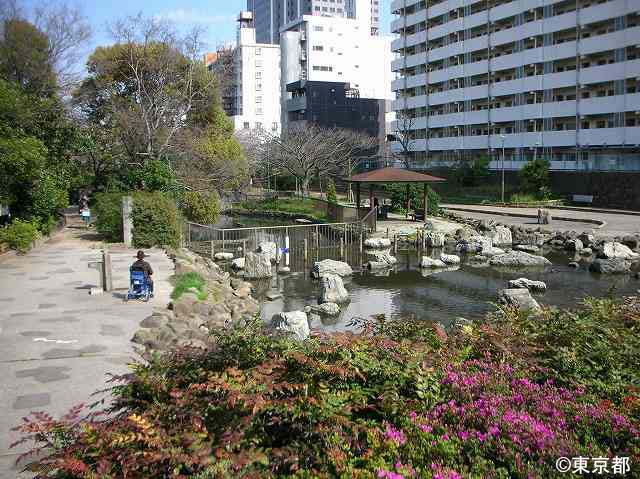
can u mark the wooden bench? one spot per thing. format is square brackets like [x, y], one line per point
[582, 199]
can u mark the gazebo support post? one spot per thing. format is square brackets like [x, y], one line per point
[358, 200]
[424, 202]
[370, 197]
[408, 200]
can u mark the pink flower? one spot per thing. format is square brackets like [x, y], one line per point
[395, 435]
[425, 428]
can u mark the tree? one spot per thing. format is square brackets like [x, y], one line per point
[405, 133]
[304, 151]
[535, 177]
[214, 158]
[148, 88]
[43, 51]
[24, 58]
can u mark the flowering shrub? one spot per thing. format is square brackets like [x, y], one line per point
[400, 400]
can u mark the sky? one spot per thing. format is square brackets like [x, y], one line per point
[216, 16]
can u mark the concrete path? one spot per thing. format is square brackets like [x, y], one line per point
[58, 344]
[616, 224]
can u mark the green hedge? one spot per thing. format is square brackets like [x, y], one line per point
[156, 219]
[108, 215]
[203, 208]
[20, 235]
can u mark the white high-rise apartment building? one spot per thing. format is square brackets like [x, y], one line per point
[251, 80]
[272, 15]
[527, 78]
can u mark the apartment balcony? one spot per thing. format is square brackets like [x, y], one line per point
[605, 136]
[296, 104]
[408, 82]
[614, 71]
[409, 40]
[610, 41]
[605, 11]
[602, 105]
[412, 19]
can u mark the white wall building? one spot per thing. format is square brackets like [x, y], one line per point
[559, 79]
[316, 48]
[252, 100]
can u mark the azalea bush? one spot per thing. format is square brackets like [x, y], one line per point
[400, 400]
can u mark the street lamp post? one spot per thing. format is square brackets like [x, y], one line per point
[502, 137]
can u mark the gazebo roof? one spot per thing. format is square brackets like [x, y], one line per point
[393, 175]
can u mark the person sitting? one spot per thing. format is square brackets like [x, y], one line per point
[142, 265]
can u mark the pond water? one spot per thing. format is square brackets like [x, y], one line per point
[442, 296]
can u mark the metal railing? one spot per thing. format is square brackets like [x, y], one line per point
[298, 244]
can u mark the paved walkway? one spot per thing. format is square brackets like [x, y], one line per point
[58, 343]
[616, 224]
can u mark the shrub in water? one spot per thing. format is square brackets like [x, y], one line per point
[20, 235]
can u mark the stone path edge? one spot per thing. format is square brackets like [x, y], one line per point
[599, 223]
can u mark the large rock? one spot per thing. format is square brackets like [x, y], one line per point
[518, 298]
[519, 258]
[428, 262]
[377, 243]
[257, 265]
[434, 239]
[475, 244]
[588, 240]
[618, 250]
[270, 249]
[295, 323]
[493, 251]
[610, 266]
[527, 248]
[631, 241]
[223, 256]
[383, 260]
[534, 238]
[501, 236]
[450, 259]
[325, 309]
[332, 289]
[238, 264]
[524, 283]
[329, 266]
[574, 245]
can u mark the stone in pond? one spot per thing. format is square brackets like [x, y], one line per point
[524, 283]
[519, 259]
[332, 289]
[610, 266]
[450, 259]
[257, 265]
[223, 256]
[428, 262]
[518, 298]
[329, 266]
[295, 323]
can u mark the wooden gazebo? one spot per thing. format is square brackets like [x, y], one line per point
[391, 175]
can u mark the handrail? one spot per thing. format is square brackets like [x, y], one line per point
[311, 225]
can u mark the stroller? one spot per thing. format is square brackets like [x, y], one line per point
[139, 286]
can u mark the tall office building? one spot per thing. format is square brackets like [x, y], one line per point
[530, 78]
[271, 16]
[250, 80]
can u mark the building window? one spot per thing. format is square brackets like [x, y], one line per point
[258, 111]
[258, 125]
[274, 126]
[246, 125]
[258, 51]
[318, 28]
[258, 99]
[318, 48]
[258, 74]
[258, 86]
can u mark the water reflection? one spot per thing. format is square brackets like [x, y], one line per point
[440, 295]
